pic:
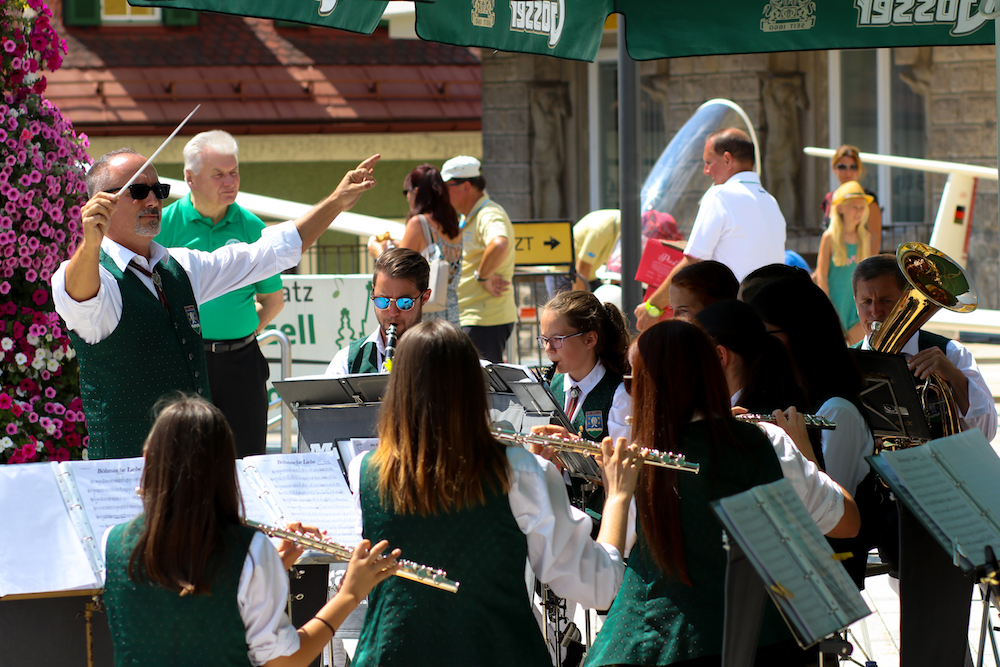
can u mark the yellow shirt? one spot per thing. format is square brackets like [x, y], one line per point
[476, 306]
[594, 237]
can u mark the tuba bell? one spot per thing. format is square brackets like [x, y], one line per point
[935, 281]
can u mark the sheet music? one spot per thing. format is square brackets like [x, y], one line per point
[311, 488]
[257, 502]
[41, 550]
[947, 483]
[107, 491]
[773, 528]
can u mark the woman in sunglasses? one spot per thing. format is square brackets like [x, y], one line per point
[847, 166]
[442, 489]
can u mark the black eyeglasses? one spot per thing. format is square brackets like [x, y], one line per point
[845, 167]
[140, 191]
[556, 341]
[402, 302]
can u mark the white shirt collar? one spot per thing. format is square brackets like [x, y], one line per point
[744, 177]
[734, 400]
[911, 348]
[588, 383]
[122, 256]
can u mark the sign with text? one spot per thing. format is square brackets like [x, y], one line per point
[544, 243]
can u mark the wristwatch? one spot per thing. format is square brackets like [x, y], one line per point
[476, 274]
[652, 310]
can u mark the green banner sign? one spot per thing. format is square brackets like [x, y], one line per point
[352, 15]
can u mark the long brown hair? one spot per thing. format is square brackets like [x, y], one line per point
[190, 496]
[435, 450]
[677, 376]
[585, 312]
[432, 198]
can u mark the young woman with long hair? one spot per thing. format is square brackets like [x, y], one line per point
[443, 489]
[670, 607]
[188, 584]
[587, 342]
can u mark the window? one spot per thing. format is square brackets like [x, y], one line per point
[873, 108]
[120, 10]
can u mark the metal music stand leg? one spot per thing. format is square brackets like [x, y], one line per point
[745, 601]
[986, 628]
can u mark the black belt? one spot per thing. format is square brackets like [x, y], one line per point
[229, 345]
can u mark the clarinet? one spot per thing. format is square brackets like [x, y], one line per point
[390, 348]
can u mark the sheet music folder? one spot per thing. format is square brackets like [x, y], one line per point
[322, 390]
[890, 398]
[794, 561]
[950, 485]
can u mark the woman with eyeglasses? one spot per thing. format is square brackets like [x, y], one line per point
[432, 230]
[847, 166]
[442, 489]
[587, 343]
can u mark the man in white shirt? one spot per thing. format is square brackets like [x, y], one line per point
[399, 292]
[878, 284]
[131, 306]
[738, 222]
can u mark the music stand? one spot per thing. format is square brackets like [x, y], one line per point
[890, 398]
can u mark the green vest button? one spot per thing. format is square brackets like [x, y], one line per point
[190, 356]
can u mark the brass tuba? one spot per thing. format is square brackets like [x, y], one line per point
[935, 281]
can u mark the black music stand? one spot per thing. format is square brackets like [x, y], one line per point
[890, 399]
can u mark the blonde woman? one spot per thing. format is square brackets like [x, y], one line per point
[845, 243]
[847, 166]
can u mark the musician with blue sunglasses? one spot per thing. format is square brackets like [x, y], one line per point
[399, 291]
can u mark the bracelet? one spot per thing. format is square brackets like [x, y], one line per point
[476, 274]
[334, 632]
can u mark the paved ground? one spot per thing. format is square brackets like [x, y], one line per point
[882, 643]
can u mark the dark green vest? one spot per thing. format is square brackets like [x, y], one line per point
[488, 622]
[362, 357]
[154, 627]
[598, 401]
[150, 353]
[656, 619]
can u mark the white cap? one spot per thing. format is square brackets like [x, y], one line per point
[463, 166]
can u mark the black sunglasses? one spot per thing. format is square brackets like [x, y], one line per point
[140, 191]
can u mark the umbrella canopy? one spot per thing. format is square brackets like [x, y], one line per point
[573, 28]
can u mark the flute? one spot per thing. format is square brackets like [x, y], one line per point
[650, 456]
[409, 570]
[812, 421]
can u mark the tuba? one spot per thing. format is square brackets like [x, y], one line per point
[935, 281]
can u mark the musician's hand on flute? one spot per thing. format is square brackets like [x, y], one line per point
[794, 424]
[551, 430]
[290, 552]
[620, 464]
[369, 566]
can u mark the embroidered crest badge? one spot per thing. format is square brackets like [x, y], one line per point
[593, 423]
[192, 315]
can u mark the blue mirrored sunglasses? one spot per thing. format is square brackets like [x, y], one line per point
[403, 302]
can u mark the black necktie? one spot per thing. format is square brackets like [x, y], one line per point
[157, 283]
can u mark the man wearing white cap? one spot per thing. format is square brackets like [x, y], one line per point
[485, 300]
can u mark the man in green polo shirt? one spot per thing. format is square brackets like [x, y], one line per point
[208, 219]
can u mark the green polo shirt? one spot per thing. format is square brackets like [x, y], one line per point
[232, 315]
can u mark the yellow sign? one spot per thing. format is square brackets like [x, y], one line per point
[543, 243]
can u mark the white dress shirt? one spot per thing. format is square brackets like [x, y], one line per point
[819, 493]
[261, 596]
[341, 366]
[211, 274]
[982, 413]
[845, 448]
[738, 224]
[621, 402]
[560, 550]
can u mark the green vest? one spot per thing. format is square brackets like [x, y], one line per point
[591, 420]
[150, 353]
[488, 622]
[153, 627]
[658, 620]
[362, 357]
[925, 340]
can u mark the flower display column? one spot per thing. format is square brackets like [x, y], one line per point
[42, 167]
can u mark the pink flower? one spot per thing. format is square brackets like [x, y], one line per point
[50, 392]
[40, 297]
[6, 402]
[4, 287]
[11, 428]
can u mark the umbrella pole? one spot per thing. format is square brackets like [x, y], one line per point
[628, 173]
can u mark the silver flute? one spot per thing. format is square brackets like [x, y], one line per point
[650, 456]
[812, 421]
[409, 570]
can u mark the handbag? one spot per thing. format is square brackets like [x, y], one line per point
[440, 272]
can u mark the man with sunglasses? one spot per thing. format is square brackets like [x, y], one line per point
[207, 219]
[399, 292]
[131, 306]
